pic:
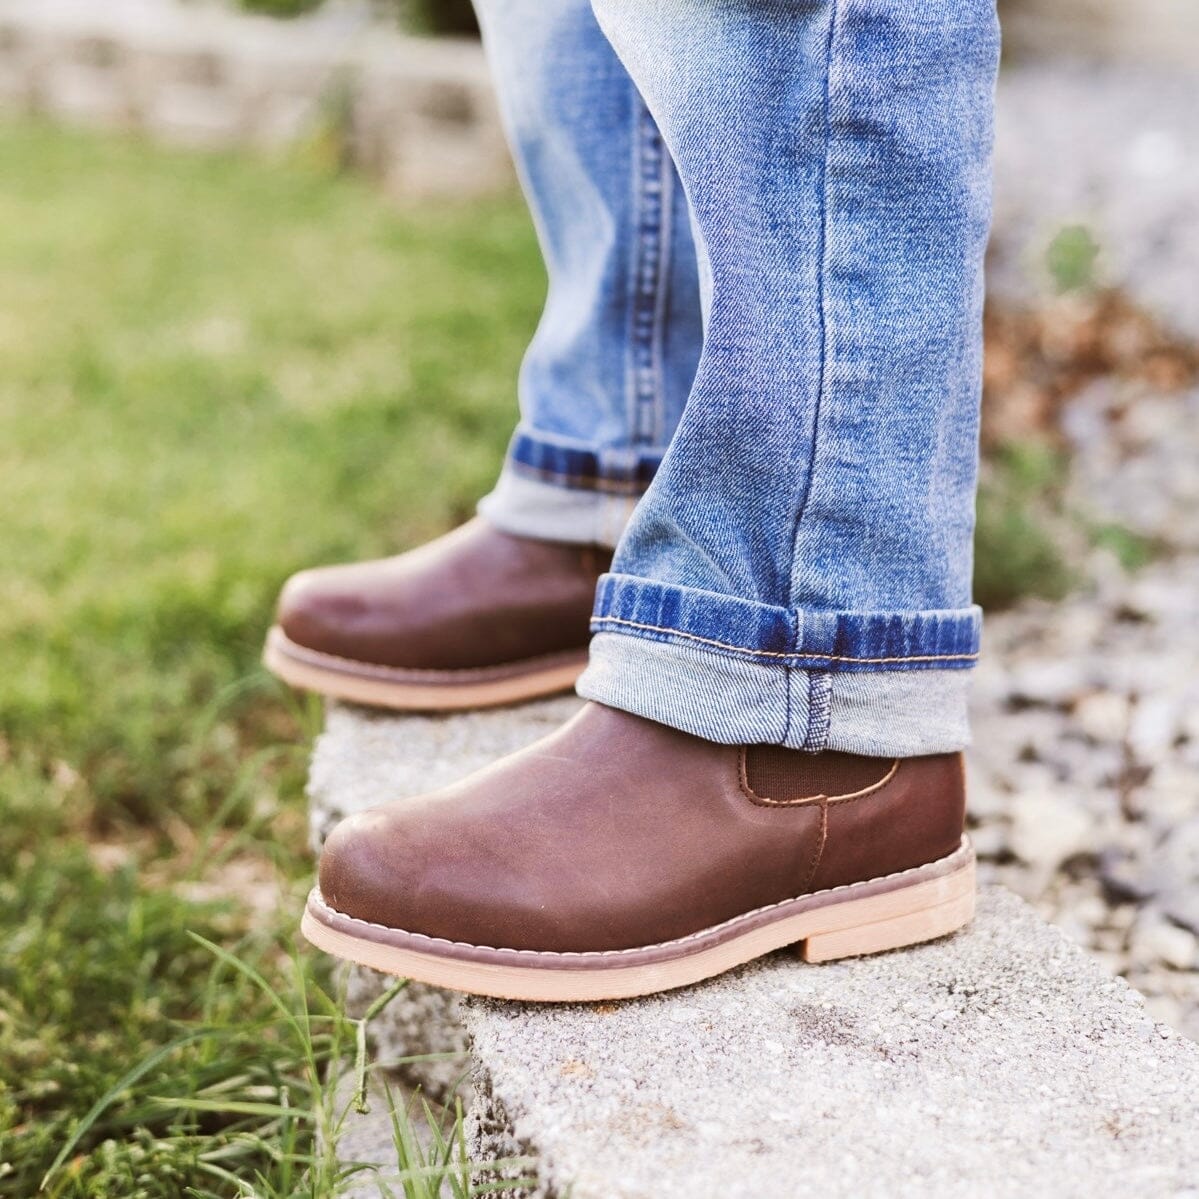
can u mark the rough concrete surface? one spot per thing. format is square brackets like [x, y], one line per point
[1003, 1061]
[998, 1062]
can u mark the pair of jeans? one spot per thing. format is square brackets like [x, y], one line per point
[758, 370]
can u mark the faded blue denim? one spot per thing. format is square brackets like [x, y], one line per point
[798, 570]
[605, 379]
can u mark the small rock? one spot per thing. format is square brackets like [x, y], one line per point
[990, 840]
[1153, 727]
[1051, 683]
[1091, 910]
[1155, 939]
[1171, 793]
[1182, 906]
[984, 797]
[1103, 716]
[1049, 828]
[1114, 963]
[1126, 877]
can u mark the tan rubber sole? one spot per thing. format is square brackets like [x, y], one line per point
[870, 917]
[418, 690]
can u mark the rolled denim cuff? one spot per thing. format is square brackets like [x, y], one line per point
[739, 672]
[560, 490]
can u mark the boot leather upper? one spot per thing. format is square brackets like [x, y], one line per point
[615, 832]
[476, 597]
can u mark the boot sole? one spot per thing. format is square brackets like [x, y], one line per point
[419, 690]
[862, 918]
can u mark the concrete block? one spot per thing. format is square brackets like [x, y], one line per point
[18, 65]
[418, 113]
[1003, 1061]
[84, 80]
[84, 96]
[999, 1062]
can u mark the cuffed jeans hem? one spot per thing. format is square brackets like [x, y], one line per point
[551, 512]
[807, 638]
[562, 490]
[741, 701]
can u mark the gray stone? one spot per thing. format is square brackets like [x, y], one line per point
[1102, 716]
[1047, 829]
[186, 115]
[1154, 727]
[1156, 940]
[998, 1062]
[1002, 1061]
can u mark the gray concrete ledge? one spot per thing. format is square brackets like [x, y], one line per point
[999, 1062]
[417, 113]
[1152, 32]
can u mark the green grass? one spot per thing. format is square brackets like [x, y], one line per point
[1022, 527]
[1030, 541]
[214, 372]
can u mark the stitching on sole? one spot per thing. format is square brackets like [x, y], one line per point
[964, 850]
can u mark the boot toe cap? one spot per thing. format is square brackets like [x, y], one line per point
[363, 873]
[319, 612]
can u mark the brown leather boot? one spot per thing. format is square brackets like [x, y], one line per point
[475, 618]
[619, 857]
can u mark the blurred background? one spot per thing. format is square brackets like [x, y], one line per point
[265, 281]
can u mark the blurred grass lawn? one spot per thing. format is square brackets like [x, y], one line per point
[214, 372]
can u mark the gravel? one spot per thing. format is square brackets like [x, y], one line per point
[1085, 769]
[1112, 147]
[1085, 766]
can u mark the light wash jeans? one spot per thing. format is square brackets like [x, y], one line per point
[813, 177]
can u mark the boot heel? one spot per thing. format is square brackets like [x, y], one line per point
[883, 932]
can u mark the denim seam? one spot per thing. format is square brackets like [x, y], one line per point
[767, 653]
[661, 282]
[793, 617]
[608, 486]
[821, 301]
[820, 702]
[646, 308]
